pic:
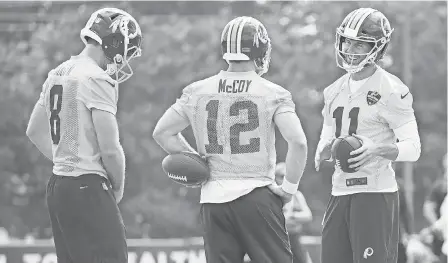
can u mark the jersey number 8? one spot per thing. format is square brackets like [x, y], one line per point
[55, 108]
[235, 147]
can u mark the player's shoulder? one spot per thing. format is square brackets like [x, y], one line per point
[83, 69]
[391, 85]
[86, 69]
[274, 88]
[199, 84]
[335, 87]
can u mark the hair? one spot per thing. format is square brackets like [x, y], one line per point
[92, 41]
[238, 61]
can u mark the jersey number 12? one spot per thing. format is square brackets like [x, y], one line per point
[235, 147]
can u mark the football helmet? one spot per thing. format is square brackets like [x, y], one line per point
[366, 25]
[245, 38]
[120, 38]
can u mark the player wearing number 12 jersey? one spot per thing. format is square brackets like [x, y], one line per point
[74, 125]
[233, 116]
[361, 222]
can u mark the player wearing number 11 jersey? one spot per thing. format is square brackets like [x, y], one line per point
[361, 222]
[74, 125]
[233, 116]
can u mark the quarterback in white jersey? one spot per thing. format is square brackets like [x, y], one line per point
[74, 125]
[361, 221]
[233, 115]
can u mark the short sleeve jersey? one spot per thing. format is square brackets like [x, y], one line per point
[69, 94]
[231, 114]
[382, 104]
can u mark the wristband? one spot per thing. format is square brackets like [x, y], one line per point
[289, 187]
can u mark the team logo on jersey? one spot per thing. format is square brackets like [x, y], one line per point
[373, 97]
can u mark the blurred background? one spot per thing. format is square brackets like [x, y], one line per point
[182, 44]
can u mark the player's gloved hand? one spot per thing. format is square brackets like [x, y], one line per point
[323, 153]
[277, 189]
[367, 152]
[118, 194]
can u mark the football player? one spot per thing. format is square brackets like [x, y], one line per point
[361, 220]
[74, 125]
[232, 115]
[297, 212]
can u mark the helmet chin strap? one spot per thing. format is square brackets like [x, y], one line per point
[111, 69]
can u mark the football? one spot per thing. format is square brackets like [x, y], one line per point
[186, 168]
[341, 151]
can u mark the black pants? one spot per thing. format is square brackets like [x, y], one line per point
[361, 228]
[252, 224]
[402, 257]
[86, 222]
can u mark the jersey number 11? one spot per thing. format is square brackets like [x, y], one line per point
[352, 115]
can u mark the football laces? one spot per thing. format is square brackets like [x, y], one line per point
[177, 177]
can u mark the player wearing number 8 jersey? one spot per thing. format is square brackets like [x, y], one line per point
[233, 116]
[74, 125]
[361, 222]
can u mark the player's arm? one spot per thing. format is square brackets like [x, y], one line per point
[323, 150]
[301, 211]
[167, 132]
[112, 153]
[291, 129]
[399, 114]
[38, 130]
[100, 95]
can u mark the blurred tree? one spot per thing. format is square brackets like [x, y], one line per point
[181, 45]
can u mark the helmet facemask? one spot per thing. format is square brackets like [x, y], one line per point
[373, 56]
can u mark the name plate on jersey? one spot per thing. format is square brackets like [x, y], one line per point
[356, 181]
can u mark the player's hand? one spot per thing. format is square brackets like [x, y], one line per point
[323, 153]
[201, 184]
[366, 152]
[197, 185]
[118, 194]
[277, 189]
